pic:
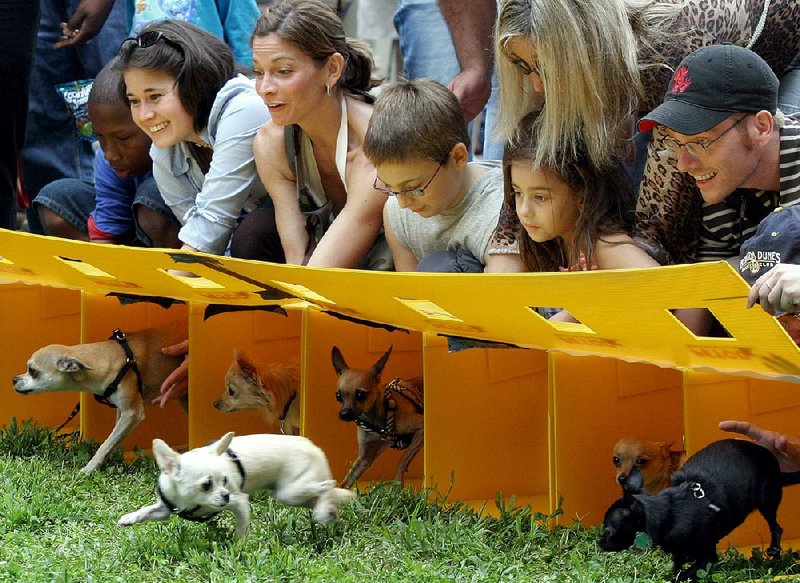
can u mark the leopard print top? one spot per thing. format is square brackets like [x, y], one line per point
[668, 214]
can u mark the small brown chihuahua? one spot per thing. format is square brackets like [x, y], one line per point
[272, 390]
[387, 416]
[655, 461]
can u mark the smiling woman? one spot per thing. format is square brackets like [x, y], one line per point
[323, 209]
[202, 118]
[593, 67]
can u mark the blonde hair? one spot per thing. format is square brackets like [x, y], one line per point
[419, 118]
[590, 54]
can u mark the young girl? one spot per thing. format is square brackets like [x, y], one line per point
[202, 117]
[568, 218]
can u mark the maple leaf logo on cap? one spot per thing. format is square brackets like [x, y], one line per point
[681, 81]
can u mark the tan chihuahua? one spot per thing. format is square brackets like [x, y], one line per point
[387, 416]
[654, 459]
[273, 390]
[125, 371]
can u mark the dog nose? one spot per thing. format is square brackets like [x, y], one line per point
[346, 414]
[622, 480]
[226, 497]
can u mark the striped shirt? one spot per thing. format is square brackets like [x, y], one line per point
[728, 223]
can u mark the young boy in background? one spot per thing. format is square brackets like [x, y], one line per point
[124, 205]
[442, 209]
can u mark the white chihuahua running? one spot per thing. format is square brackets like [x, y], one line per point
[201, 483]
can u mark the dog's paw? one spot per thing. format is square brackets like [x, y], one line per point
[128, 519]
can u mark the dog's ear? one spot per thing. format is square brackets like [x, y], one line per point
[168, 459]
[339, 365]
[224, 443]
[245, 364]
[377, 368]
[70, 364]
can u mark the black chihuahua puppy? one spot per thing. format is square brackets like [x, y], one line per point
[713, 493]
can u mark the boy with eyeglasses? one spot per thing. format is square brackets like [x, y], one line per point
[720, 124]
[442, 209]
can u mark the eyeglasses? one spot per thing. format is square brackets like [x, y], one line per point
[694, 148]
[523, 66]
[149, 38]
[412, 192]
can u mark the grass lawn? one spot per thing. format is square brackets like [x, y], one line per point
[59, 525]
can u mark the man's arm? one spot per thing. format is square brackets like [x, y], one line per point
[471, 30]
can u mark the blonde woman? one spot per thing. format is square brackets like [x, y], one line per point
[593, 67]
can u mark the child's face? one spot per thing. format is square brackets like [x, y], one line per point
[125, 146]
[156, 107]
[441, 184]
[547, 208]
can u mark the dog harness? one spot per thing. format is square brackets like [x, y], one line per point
[130, 364]
[388, 431]
[698, 492]
[191, 513]
[285, 412]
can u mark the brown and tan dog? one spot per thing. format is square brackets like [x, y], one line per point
[654, 459]
[272, 389]
[126, 370]
[387, 416]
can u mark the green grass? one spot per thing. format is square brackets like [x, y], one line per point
[59, 525]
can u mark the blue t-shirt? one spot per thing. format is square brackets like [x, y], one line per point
[114, 196]
[230, 20]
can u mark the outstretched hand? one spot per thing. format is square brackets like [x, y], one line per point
[84, 24]
[177, 383]
[785, 449]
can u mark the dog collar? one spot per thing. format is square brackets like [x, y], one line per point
[188, 514]
[239, 465]
[389, 432]
[130, 364]
[285, 411]
[697, 491]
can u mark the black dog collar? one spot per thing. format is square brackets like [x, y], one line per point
[130, 364]
[190, 513]
[285, 411]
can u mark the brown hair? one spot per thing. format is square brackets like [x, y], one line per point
[314, 28]
[606, 208]
[414, 118]
[200, 62]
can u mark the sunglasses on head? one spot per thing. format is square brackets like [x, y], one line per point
[150, 38]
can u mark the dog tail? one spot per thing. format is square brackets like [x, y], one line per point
[790, 478]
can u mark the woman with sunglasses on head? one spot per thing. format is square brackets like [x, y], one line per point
[323, 210]
[202, 118]
[593, 68]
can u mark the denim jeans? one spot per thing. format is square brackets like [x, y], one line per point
[18, 22]
[53, 149]
[789, 88]
[74, 201]
[428, 51]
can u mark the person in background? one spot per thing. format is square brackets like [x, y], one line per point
[53, 147]
[19, 20]
[229, 20]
